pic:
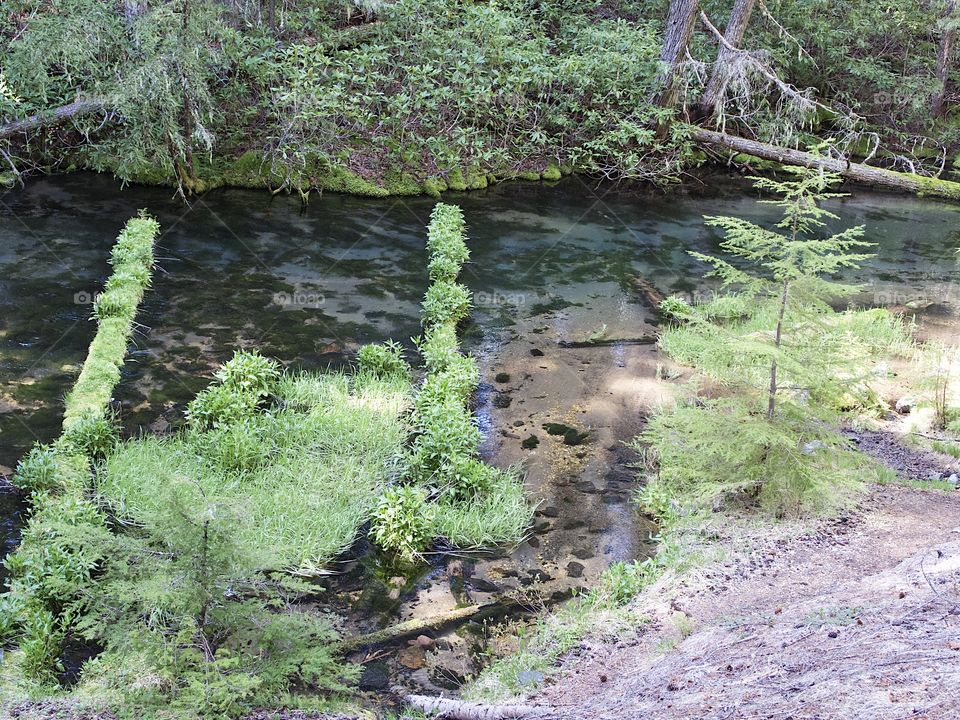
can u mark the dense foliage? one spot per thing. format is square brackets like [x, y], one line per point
[420, 95]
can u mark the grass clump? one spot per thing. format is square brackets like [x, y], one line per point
[326, 447]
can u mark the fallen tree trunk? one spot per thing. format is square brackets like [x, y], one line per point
[460, 710]
[421, 625]
[49, 118]
[608, 342]
[866, 174]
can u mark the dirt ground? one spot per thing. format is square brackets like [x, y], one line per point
[855, 618]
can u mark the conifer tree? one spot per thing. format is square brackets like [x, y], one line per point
[787, 360]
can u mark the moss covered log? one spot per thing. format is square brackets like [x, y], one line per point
[54, 565]
[115, 310]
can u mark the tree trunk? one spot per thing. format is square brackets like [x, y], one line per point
[866, 174]
[49, 118]
[944, 57]
[461, 710]
[676, 40]
[736, 28]
[416, 627]
[778, 339]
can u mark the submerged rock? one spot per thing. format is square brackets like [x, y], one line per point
[375, 677]
[412, 658]
[904, 405]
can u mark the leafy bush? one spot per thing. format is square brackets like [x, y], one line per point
[445, 303]
[382, 360]
[439, 347]
[38, 470]
[402, 521]
[220, 406]
[95, 437]
[249, 373]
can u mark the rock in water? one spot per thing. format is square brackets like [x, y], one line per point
[904, 405]
[412, 658]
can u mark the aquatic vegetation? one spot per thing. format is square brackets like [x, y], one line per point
[326, 447]
[403, 521]
[470, 503]
[52, 568]
[132, 260]
[382, 360]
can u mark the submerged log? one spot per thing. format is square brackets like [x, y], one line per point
[49, 118]
[866, 174]
[607, 342]
[647, 291]
[421, 625]
[461, 710]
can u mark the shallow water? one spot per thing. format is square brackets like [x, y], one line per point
[308, 285]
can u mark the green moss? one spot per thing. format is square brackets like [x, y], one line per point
[552, 173]
[475, 179]
[566, 169]
[401, 183]
[531, 175]
[132, 259]
[433, 186]
[455, 180]
[755, 162]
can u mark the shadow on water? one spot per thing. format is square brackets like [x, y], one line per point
[309, 284]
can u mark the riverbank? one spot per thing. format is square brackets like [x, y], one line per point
[850, 617]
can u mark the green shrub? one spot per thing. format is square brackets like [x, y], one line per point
[220, 406]
[249, 373]
[382, 360]
[95, 437]
[445, 303]
[402, 521]
[447, 431]
[443, 268]
[38, 470]
[439, 347]
[458, 381]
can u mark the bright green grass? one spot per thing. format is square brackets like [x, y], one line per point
[500, 515]
[310, 470]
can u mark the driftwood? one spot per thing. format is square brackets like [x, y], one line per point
[607, 342]
[460, 710]
[647, 291]
[422, 625]
[866, 174]
[49, 118]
